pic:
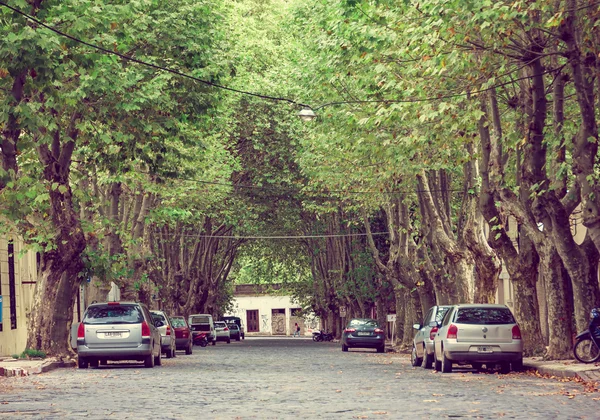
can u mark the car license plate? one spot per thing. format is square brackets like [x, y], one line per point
[364, 333]
[113, 334]
[484, 350]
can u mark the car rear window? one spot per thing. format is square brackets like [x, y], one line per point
[484, 316]
[158, 316]
[200, 320]
[220, 324]
[364, 323]
[178, 322]
[113, 314]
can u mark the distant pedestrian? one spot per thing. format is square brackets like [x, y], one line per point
[296, 330]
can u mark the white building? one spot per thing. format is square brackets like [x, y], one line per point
[264, 311]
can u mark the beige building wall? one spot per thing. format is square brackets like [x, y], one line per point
[13, 340]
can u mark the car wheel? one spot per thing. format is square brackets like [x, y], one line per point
[446, 364]
[517, 365]
[94, 363]
[174, 352]
[82, 363]
[158, 360]
[477, 366]
[344, 347]
[214, 343]
[189, 349]
[149, 361]
[168, 353]
[238, 338]
[504, 368]
[414, 359]
[381, 349]
[438, 364]
[229, 341]
[427, 359]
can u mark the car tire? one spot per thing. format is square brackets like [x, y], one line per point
[381, 349]
[517, 365]
[505, 368]
[168, 354]
[214, 343]
[174, 352]
[414, 359]
[446, 364]
[344, 347]
[158, 360]
[437, 363]
[94, 363]
[229, 341]
[427, 359]
[189, 348]
[149, 361]
[477, 366]
[237, 339]
[82, 363]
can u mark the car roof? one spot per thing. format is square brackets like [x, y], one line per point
[113, 302]
[480, 305]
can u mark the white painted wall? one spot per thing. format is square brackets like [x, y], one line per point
[265, 304]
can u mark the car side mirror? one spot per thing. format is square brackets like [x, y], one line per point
[434, 324]
[158, 324]
[417, 326]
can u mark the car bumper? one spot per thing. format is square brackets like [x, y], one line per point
[364, 342]
[129, 353]
[223, 337]
[495, 352]
[182, 343]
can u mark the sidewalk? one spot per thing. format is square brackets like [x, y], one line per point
[24, 367]
[564, 368]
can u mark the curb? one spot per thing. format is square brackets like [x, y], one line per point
[43, 368]
[587, 375]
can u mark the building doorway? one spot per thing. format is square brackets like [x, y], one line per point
[252, 320]
[278, 322]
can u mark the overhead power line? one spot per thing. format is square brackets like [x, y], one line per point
[269, 97]
[145, 63]
[340, 235]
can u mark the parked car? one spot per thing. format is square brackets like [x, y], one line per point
[222, 331]
[203, 323]
[422, 351]
[238, 321]
[167, 338]
[478, 334]
[117, 331]
[234, 332]
[363, 333]
[183, 334]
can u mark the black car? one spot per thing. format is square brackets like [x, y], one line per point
[235, 320]
[363, 333]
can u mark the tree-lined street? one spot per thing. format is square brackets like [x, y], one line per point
[289, 378]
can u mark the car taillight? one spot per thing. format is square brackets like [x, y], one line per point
[145, 329]
[378, 331]
[350, 330]
[432, 333]
[452, 331]
[225, 329]
[168, 330]
[516, 333]
[81, 331]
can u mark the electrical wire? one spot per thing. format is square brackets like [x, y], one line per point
[155, 66]
[340, 235]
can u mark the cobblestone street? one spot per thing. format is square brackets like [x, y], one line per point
[288, 378]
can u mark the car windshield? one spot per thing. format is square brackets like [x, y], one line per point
[484, 316]
[440, 314]
[178, 322]
[363, 323]
[158, 317]
[200, 320]
[113, 314]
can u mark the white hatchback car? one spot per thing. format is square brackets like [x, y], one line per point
[478, 334]
[222, 331]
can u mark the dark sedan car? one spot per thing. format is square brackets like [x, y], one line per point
[183, 334]
[363, 333]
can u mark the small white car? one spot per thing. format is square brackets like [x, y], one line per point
[478, 334]
[167, 333]
[222, 331]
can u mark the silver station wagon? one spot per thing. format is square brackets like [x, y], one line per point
[117, 331]
[476, 335]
